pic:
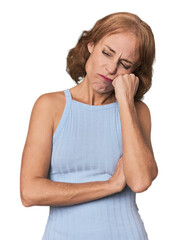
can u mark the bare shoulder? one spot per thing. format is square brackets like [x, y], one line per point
[51, 98]
[52, 101]
[55, 103]
[142, 107]
[49, 106]
[143, 112]
[144, 118]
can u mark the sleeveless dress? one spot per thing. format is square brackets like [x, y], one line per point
[86, 147]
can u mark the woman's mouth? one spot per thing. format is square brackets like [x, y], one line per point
[105, 78]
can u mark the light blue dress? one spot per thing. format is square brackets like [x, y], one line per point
[87, 145]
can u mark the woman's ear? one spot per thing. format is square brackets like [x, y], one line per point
[90, 46]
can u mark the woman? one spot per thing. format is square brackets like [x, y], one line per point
[88, 149]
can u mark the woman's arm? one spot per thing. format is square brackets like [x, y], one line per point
[139, 165]
[35, 188]
[140, 168]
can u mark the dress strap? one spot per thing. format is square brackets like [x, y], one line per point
[68, 95]
[64, 116]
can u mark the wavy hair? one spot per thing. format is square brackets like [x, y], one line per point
[110, 24]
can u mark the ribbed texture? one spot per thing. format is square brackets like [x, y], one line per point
[87, 145]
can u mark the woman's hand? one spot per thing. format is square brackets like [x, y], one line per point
[117, 181]
[125, 86]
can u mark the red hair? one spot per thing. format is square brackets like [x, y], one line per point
[110, 24]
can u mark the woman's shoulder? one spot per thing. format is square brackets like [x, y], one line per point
[51, 105]
[51, 99]
[52, 102]
[52, 96]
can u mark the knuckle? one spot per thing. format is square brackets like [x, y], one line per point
[132, 75]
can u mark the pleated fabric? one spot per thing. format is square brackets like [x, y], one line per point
[87, 145]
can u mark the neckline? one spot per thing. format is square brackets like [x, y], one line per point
[91, 107]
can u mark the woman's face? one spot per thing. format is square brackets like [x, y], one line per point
[111, 56]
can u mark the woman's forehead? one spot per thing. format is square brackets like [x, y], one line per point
[120, 37]
[125, 42]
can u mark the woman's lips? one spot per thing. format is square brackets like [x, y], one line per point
[105, 78]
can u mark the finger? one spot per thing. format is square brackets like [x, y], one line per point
[132, 75]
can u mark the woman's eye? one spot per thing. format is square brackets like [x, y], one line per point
[126, 67]
[105, 53]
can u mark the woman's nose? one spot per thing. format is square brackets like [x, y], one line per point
[111, 68]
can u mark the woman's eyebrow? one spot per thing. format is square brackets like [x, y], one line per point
[110, 48]
[126, 60]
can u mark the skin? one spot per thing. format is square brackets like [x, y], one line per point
[93, 89]
[110, 57]
[136, 168]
